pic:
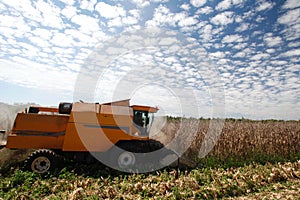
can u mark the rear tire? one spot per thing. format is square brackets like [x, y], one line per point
[41, 161]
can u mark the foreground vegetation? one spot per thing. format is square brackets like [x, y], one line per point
[256, 181]
[251, 160]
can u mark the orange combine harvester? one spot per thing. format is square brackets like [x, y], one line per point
[74, 130]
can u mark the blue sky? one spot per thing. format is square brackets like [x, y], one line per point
[254, 47]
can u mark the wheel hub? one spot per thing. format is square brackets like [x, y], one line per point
[40, 164]
[126, 159]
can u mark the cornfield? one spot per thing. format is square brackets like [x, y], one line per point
[243, 139]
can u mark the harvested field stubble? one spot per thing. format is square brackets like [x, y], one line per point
[255, 180]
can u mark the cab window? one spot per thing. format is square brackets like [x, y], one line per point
[143, 121]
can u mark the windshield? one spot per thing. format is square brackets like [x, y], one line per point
[143, 121]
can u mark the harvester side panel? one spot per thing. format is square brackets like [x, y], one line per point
[40, 123]
[34, 142]
[94, 137]
[99, 128]
[37, 131]
[80, 137]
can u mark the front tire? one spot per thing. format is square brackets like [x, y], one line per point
[41, 161]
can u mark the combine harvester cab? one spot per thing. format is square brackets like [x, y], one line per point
[73, 130]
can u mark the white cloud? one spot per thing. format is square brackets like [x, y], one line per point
[256, 33]
[163, 16]
[237, 2]
[227, 4]
[206, 32]
[205, 10]
[188, 21]
[249, 14]
[28, 49]
[63, 40]
[69, 12]
[279, 62]
[272, 41]
[145, 3]
[50, 14]
[259, 19]
[88, 4]
[218, 54]
[238, 19]
[83, 39]
[167, 41]
[131, 19]
[223, 5]
[294, 52]
[135, 13]
[38, 41]
[25, 7]
[265, 5]
[290, 4]
[198, 3]
[223, 18]
[291, 19]
[159, 1]
[270, 51]
[69, 2]
[2, 41]
[108, 11]
[232, 38]
[116, 22]
[12, 26]
[141, 3]
[242, 27]
[87, 24]
[240, 45]
[294, 44]
[239, 55]
[30, 74]
[185, 6]
[260, 56]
